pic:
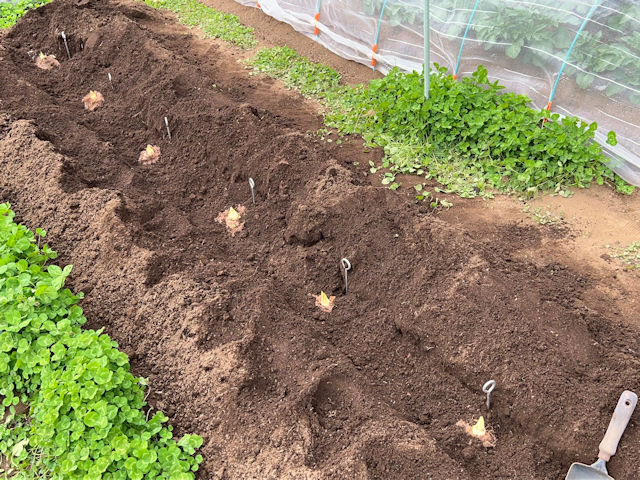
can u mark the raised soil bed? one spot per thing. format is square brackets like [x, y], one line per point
[226, 327]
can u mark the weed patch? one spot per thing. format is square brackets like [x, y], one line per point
[543, 216]
[469, 136]
[10, 13]
[629, 256]
[297, 72]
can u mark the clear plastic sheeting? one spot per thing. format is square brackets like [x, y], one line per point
[576, 57]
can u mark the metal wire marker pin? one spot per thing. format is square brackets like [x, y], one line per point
[66, 46]
[252, 186]
[166, 122]
[488, 388]
[345, 265]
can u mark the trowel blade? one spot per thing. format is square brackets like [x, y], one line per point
[580, 471]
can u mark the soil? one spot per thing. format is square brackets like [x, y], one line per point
[226, 327]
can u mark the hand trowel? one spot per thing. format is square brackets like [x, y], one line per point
[609, 444]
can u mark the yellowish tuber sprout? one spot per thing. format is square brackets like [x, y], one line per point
[149, 155]
[232, 219]
[233, 215]
[325, 303]
[92, 100]
[478, 430]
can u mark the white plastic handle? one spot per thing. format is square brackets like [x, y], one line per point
[618, 423]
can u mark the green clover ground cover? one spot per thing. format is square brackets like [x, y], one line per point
[469, 136]
[11, 12]
[87, 418]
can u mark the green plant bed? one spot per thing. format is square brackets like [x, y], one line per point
[87, 417]
[469, 136]
[10, 13]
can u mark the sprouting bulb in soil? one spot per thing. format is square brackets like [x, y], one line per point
[149, 155]
[479, 430]
[325, 303]
[232, 219]
[92, 100]
[46, 62]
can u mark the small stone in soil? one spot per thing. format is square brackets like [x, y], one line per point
[468, 453]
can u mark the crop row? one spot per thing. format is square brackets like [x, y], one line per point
[469, 136]
[608, 49]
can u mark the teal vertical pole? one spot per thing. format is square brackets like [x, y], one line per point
[427, 52]
[466, 32]
[316, 30]
[573, 44]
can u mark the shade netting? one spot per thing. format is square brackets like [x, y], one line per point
[576, 57]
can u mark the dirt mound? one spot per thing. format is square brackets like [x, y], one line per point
[226, 326]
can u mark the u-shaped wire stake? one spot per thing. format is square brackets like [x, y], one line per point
[488, 388]
[252, 186]
[66, 45]
[345, 265]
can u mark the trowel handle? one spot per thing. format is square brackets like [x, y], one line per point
[618, 423]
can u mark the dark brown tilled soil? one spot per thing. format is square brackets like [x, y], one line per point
[226, 327]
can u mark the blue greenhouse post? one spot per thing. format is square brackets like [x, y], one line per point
[466, 32]
[595, 5]
[374, 49]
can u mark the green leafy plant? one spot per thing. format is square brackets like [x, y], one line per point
[398, 13]
[11, 12]
[470, 136]
[539, 29]
[213, 23]
[87, 416]
[537, 35]
[296, 72]
[434, 202]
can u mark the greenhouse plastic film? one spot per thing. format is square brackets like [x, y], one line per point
[576, 57]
